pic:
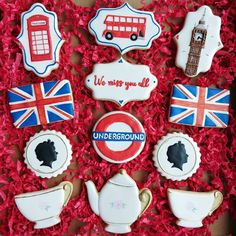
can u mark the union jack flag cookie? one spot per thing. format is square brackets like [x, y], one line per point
[42, 103]
[199, 106]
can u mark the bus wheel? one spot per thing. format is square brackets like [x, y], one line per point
[133, 37]
[109, 36]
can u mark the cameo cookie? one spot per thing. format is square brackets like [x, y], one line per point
[118, 137]
[124, 28]
[121, 82]
[192, 207]
[48, 153]
[198, 41]
[44, 207]
[176, 156]
[119, 203]
[199, 106]
[41, 103]
[40, 40]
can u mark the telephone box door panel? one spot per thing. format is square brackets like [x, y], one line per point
[39, 38]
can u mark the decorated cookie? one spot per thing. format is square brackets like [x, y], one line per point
[48, 153]
[119, 203]
[199, 106]
[198, 41]
[176, 156]
[121, 82]
[44, 207]
[192, 207]
[124, 28]
[40, 40]
[42, 103]
[118, 137]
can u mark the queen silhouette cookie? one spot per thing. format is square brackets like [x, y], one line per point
[176, 156]
[48, 153]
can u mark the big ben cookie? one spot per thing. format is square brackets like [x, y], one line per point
[198, 41]
[118, 137]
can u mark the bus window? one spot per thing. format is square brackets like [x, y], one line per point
[116, 19]
[135, 20]
[141, 20]
[135, 29]
[109, 18]
[128, 28]
[129, 19]
[109, 27]
[122, 19]
[122, 28]
[115, 28]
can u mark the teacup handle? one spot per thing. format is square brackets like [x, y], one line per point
[68, 189]
[145, 197]
[218, 200]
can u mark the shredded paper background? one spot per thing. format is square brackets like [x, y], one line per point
[77, 58]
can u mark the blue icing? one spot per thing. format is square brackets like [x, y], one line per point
[65, 89]
[30, 121]
[223, 117]
[27, 89]
[178, 94]
[224, 99]
[191, 89]
[209, 122]
[12, 97]
[176, 110]
[68, 108]
[48, 85]
[187, 120]
[17, 114]
[53, 117]
[212, 92]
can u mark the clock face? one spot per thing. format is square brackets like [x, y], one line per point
[198, 36]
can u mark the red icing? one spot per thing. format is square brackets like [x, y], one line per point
[218, 146]
[124, 154]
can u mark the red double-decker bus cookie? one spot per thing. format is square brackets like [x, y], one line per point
[124, 28]
[118, 137]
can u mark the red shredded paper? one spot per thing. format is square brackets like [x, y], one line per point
[218, 146]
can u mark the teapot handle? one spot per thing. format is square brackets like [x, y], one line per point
[218, 196]
[68, 189]
[145, 196]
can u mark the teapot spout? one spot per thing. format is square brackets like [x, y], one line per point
[92, 196]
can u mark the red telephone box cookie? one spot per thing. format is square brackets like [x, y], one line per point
[40, 40]
[118, 137]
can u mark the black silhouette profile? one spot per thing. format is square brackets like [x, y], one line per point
[46, 152]
[177, 155]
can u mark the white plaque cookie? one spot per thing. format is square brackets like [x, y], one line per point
[198, 41]
[124, 28]
[40, 40]
[176, 156]
[48, 153]
[121, 82]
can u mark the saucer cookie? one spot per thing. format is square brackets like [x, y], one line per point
[124, 28]
[176, 156]
[48, 153]
[118, 137]
[40, 40]
[198, 41]
[121, 82]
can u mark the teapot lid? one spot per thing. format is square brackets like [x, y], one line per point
[122, 179]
